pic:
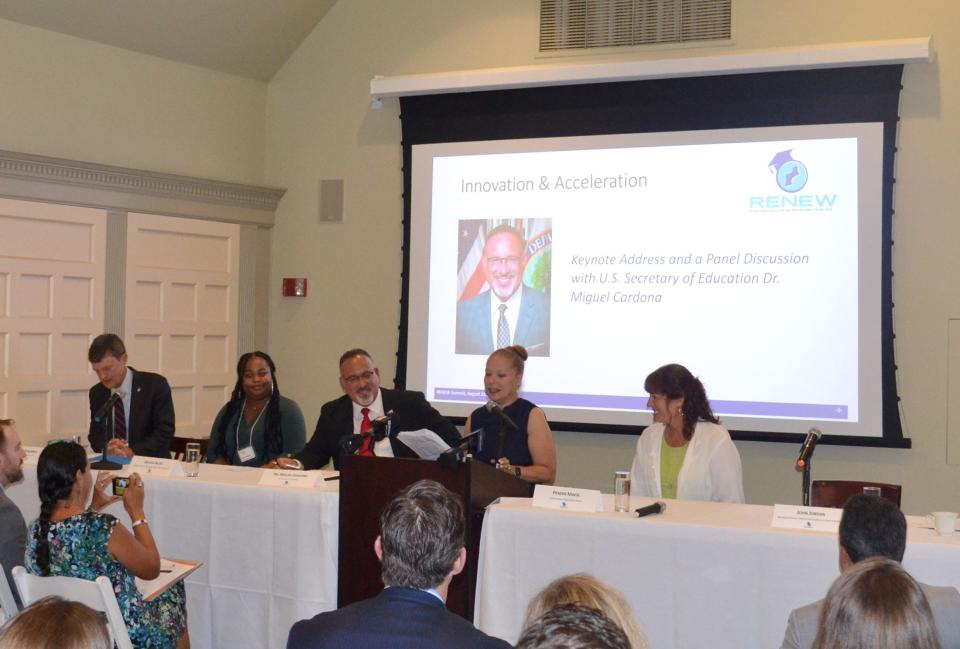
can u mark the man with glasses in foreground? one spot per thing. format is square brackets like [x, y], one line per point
[362, 403]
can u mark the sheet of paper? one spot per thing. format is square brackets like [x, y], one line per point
[425, 443]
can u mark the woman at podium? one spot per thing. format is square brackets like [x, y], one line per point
[258, 424]
[516, 436]
[685, 454]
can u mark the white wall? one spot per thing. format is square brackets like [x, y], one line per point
[66, 97]
[319, 125]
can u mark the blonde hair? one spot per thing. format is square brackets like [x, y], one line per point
[586, 590]
[55, 623]
[876, 605]
[515, 354]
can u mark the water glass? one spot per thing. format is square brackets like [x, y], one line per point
[191, 460]
[621, 491]
[945, 522]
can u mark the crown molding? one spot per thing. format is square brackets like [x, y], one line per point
[83, 183]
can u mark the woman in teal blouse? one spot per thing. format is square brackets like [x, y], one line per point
[257, 425]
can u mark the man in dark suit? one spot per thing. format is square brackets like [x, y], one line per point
[509, 313]
[13, 529]
[421, 548]
[874, 527]
[363, 401]
[142, 414]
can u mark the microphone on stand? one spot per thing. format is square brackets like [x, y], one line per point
[454, 455]
[379, 429]
[806, 451]
[491, 406]
[105, 408]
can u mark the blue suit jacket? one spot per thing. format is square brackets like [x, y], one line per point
[475, 330]
[399, 618]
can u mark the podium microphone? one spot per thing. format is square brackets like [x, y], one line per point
[508, 423]
[806, 451]
[105, 408]
[656, 508]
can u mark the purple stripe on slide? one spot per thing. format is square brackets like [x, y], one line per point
[618, 402]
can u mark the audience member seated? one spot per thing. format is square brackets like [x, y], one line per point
[686, 453]
[13, 529]
[871, 526]
[876, 605]
[586, 590]
[573, 627]
[421, 548]
[363, 401]
[257, 425]
[54, 623]
[527, 451]
[69, 539]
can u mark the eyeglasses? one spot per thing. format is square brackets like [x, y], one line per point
[506, 261]
[353, 379]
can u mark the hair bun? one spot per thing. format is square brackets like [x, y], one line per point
[519, 350]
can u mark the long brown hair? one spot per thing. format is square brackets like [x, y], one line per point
[876, 605]
[675, 381]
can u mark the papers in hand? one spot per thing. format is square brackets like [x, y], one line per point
[425, 443]
[172, 571]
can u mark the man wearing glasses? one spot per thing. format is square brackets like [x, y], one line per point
[510, 313]
[356, 412]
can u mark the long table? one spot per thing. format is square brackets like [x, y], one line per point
[700, 575]
[269, 553]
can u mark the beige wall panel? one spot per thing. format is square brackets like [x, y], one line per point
[4, 292]
[144, 352]
[33, 417]
[28, 237]
[75, 298]
[71, 359]
[31, 357]
[4, 354]
[75, 408]
[180, 302]
[31, 296]
[146, 299]
[194, 333]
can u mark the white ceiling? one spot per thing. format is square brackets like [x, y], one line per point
[247, 38]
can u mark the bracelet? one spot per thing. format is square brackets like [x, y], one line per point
[142, 521]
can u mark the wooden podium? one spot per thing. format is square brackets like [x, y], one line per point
[368, 483]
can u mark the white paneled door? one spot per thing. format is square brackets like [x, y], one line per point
[182, 289]
[51, 307]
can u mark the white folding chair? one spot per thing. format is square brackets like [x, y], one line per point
[97, 594]
[8, 605]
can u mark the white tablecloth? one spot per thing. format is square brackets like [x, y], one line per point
[269, 554]
[700, 575]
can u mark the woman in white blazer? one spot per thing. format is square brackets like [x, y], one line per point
[685, 454]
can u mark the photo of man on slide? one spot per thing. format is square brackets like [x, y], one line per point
[507, 310]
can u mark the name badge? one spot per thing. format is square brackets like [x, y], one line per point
[246, 454]
[154, 467]
[798, 517]
[300, 479]
[568, 498]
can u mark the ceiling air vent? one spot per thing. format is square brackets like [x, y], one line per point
[586, 24]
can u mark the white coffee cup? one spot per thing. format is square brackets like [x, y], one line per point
[945, 522]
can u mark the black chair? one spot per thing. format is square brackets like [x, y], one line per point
[835, 493]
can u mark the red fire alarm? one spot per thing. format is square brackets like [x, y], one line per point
[294, 287]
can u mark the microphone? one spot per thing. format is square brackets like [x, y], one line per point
[656, 508]
[379, 429]
[105, 408]
[451, 457]
[491, 406]
[806, 451]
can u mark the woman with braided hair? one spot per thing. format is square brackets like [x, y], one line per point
[257, 425]
[71, 540]
[685, 454]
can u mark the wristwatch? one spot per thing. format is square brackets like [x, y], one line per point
[516, 472]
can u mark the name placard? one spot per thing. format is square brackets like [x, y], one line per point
[155, 467]
[568, 498]
[798, 517]
[299, 479]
